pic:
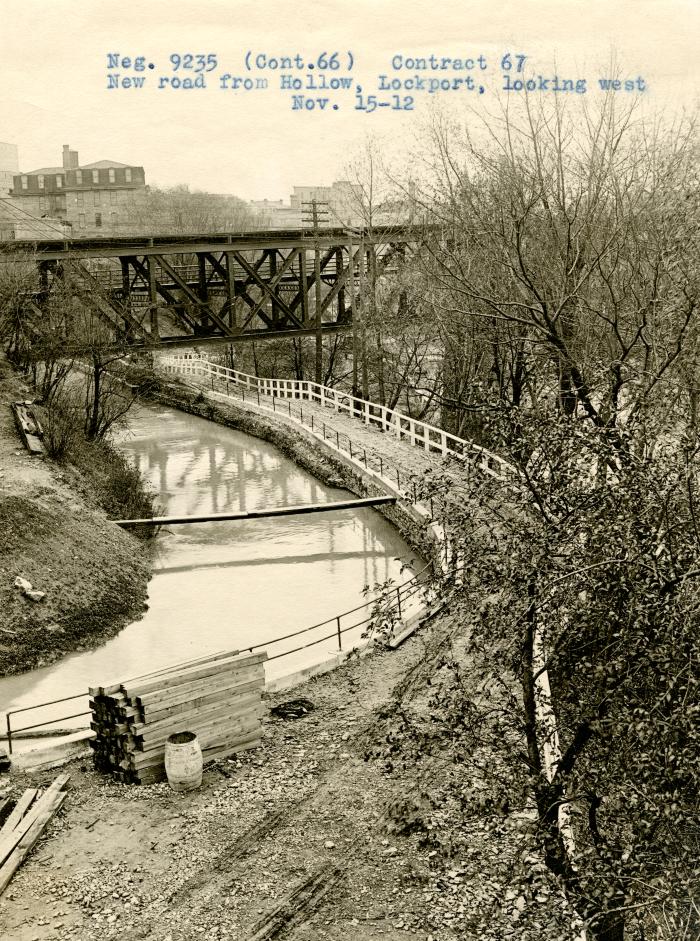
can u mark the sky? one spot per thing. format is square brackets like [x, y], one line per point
[55, 68]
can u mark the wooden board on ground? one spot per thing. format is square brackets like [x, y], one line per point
[29, 824]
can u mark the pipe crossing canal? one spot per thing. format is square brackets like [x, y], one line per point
[229, 584]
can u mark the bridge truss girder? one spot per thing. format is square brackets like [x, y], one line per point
[173, 292]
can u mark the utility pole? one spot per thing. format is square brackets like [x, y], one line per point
[317, 210]
[363, 329]
[353, 314]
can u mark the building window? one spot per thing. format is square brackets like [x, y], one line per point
[41, 181]
[113, 197]
[97, 198]
[95, 176]
[98, 219]
[113, 218]
[127, 174]
[81, 220]
[112, 177]
[24, 182]
[59, 181]
[79, 177]
[80, 198]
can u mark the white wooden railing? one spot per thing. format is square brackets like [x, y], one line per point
[418, 433]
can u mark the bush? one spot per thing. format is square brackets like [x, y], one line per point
[117, 484]
[62, 429]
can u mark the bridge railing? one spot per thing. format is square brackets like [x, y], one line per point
[417, 433]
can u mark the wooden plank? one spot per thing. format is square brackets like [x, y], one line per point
[140, 689]
[9, 840]
[30, 837]
[184, 722]
[27, 429]
[200, 722]
[225, 684]
[116, 686]
[250, 739]
[19, 811]
[215, 734]
[161, 698]
[301, 509]
[210, 749]
[225, 694]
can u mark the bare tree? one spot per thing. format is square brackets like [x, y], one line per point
[567, 244]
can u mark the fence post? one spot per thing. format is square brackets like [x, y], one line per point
[9, 734]
[337, 439]
[381, 466]
[258, 391]
[350, 444]
[365, 453]
[398, 601]
[312, 421]
[340, 640]
[290, 408]
[398, 479]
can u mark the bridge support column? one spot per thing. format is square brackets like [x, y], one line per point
[303, 281]
[202, 287]
[339, 270]
[153, 296]
[231, 291]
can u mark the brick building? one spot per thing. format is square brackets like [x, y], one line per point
[99, 198]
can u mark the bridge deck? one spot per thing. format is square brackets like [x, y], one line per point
[250, 240]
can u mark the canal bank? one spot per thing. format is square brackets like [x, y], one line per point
[53, 534]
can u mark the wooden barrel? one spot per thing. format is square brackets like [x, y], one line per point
[183, 761]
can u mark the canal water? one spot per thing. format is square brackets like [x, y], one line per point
[229, 585]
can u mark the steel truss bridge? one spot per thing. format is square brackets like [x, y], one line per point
[170, 291]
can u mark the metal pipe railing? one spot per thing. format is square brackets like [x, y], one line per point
[409, 589]
[38, 725]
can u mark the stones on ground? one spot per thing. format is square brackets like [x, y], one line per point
[28, 589]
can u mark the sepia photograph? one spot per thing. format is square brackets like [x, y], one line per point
[349, 470]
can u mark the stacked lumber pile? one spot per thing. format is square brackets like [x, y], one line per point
[218, 697]
[26, 824]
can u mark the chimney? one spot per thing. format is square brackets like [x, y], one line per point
[70, 158]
